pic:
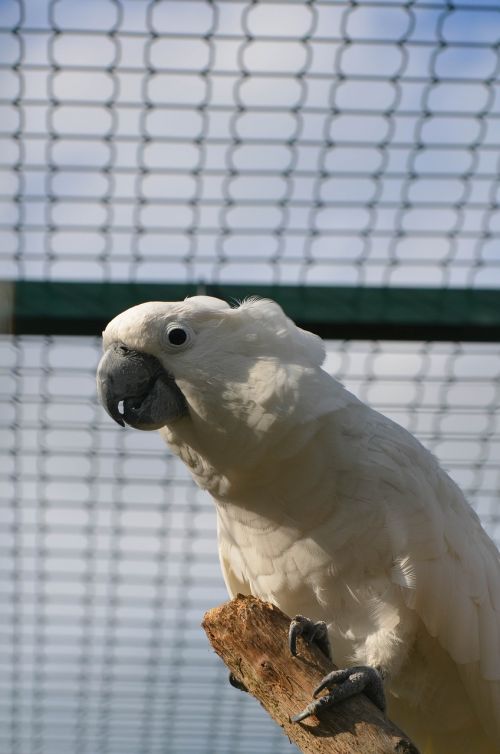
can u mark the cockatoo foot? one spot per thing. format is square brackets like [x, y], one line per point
[342, 684]
[315, 632]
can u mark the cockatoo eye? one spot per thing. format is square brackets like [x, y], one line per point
[178, 336]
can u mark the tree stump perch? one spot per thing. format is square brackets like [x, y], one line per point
[251, 637]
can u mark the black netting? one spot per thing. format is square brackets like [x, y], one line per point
[342, 142]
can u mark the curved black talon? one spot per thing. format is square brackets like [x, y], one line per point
[342, 684]
[236, 683]
[368, 679]
[316, 632]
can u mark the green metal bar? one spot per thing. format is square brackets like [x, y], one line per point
[74, 308]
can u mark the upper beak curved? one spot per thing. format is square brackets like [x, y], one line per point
[148, 396]
[109, 384]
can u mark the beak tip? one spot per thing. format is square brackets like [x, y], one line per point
[107, 400]
[112, 409]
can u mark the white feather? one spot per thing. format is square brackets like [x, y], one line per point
[329, 509]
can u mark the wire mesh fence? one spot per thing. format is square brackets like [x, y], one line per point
[294, 142]
[353, 142]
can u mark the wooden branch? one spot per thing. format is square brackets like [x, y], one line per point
[251, 637]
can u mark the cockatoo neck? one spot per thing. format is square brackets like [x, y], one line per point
[235, 439]
[239, 430]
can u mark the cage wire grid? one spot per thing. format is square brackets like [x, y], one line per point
[292, 142]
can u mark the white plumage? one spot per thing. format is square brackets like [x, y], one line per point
[329, 509]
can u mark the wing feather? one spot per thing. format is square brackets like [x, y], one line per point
[456, 567]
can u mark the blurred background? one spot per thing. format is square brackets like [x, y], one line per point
[317, 148]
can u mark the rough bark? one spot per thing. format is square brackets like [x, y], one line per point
[251, 637]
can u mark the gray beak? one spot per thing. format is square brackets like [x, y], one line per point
[149, 395]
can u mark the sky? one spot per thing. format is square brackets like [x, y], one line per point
[290, 142]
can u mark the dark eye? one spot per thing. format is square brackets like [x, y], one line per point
[177, 336]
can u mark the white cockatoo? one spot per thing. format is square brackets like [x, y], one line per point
[325, 507]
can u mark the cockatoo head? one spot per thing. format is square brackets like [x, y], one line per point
[164, 362]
